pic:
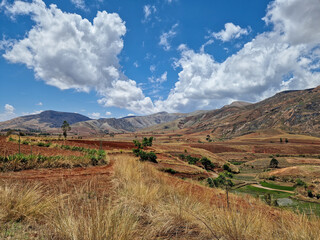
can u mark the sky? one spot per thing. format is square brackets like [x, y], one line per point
[117, 58]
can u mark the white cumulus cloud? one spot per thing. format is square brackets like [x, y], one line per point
[108, 114]
[68, 51]
[8, 112]
[273, 61]
[79, 3]
[230, 32]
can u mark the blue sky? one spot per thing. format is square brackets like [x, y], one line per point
[110, 58]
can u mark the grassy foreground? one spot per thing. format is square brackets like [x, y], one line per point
[143, 204]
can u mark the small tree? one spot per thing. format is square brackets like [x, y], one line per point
[65, 128]
[274, 163]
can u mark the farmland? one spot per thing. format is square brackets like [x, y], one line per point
[98, 184]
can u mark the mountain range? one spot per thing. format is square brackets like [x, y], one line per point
[291, 111]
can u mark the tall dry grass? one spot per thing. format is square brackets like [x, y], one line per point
[168, 211]
[147, 204]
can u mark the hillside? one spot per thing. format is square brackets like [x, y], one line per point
[43, 121]
[291, 111]
[126, 124]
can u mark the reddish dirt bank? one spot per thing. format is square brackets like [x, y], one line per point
[9, 148]
[107, 145]
[58, 173]
[216, 148]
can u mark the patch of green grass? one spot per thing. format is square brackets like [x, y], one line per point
[236, 162]
[304, 207]
[275, 186]
[260, 191]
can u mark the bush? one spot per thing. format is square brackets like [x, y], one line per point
[226, 168]
[192, 160]
[272, 178]
[207, 164]
[168, 170]
[274, 163]
[151, 156]
[310, 194]
[300, 183]
[147, 141]
[145, 156]
[25, 142]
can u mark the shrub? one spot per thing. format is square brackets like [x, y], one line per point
[272, 178]
[310, 194]
[151, 156]
[300, 183]
[147, 141]
[145, 156]
[226, 167]
[192, 160]
[274, 163]
[168, 170]
[207, 164]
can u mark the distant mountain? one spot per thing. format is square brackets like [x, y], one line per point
[126, 124]
[291, 111]
[43, 121]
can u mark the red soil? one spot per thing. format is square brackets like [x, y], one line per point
[9, 148]
[107, 145]
[216, 148]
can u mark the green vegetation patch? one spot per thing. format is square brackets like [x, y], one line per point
[275, 186]
[260, 191]
[18, 162]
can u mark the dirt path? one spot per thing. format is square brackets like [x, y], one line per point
[272, 189]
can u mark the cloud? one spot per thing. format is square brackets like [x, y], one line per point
[95, 115]
[152, 68]
[167, 36]
[39, 104]
[297, 21]
[8, 112]
[273, 61]
[148, 10]
[136, 64]
[231, 32]
[79, 3]
[31, 113]
[70, 52]
[161, 79]
[130, 115]
[108, 114]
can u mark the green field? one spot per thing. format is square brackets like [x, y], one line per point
[260, 191]
[275, 186]
[298, 206]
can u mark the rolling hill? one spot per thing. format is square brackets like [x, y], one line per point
[291, 111]
[43, 121]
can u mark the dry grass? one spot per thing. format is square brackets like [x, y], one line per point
[147, 204]
[27, 203]
[167, 212]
